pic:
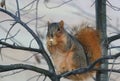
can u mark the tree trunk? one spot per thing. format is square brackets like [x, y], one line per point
[101, 27]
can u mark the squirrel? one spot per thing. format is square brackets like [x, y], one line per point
[70, 52]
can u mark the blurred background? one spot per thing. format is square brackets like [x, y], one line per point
[72, 12]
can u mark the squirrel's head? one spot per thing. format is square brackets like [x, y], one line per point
[55, 33]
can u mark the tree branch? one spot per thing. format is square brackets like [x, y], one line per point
[18, 10]
[91, 66]
[51, 7]
[4, 68]
[104, 70]
[20, 47]
[113, 38]
[17, 19]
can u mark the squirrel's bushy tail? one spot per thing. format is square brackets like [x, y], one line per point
[90, 40]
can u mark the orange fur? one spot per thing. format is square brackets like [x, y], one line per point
[68, 59]
[90, 40]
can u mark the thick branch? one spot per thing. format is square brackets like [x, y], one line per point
[113, 38]
[17, 19]
[4, 68]
[91, 66]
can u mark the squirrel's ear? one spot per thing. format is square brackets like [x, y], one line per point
[48, 23]
[61, 23]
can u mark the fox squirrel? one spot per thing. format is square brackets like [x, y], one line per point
[71, 52]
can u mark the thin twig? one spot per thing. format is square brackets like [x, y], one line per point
[44, 78]
[113, 7]
[10, 36]
[31, 42]
[12, 39]
[57, 5]
[10, 74]
[33, 77]
[18, 10]
[29, 57]
[17, 60]
[93, 3]
[38, 77]
[10, 30]
[111, 68]
[34, 19]
[28, 4]
[6, 20]
[36, 24]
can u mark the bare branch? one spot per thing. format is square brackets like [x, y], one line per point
[34, 19]
[13, 73]
[20, 47]
[113, 7]
[44, 78]
[31, 42]
[6, 20]
[28, 4]
[4, 68]
[38, 77]
[18, 10]
[33, 77]
[51, 67]
[10, 36]
[114, 47]
[45, 2]
[113, 38]
[31, 57]
[91, 66]
[51, 72]
[36, 24]
[10, 30]
[111, 68]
